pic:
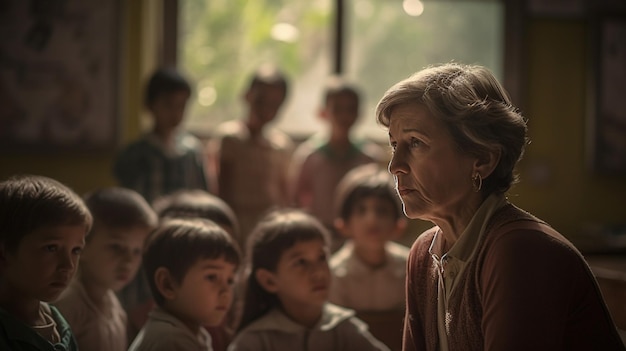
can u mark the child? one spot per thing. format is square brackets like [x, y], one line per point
[167, 158]
[42, 233]
[319, 163]
[201, 204]
[285, 305]
[198, 204]
[369, 270]
[190, 265]
[112, 255]
[250, 158]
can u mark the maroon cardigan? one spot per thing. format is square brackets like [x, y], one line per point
[526, 288]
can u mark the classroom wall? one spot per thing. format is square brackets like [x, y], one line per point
[86, 171]
[556, 184]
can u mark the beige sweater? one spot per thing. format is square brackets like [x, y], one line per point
[527, 288]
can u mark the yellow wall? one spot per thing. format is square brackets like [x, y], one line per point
[556, 184]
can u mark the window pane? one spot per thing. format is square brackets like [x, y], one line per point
[222, 41]
[387, 45]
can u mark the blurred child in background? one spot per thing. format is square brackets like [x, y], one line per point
[191, 265]
[167, 158]
[251, 158]
[288, 280]
[369, 270]
[320, 162]
[43, 225]
[110, 260]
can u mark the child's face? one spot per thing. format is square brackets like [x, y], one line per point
[206, 292]
[302, 276]
[112, 256]
[342, 111]
[168, 109]
[372, 222]
[44, 262]
[264, 102]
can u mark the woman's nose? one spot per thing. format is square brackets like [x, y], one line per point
[397, 163]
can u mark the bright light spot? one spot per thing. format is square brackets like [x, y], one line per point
[285, 32]
[413, 7]
[207, 96]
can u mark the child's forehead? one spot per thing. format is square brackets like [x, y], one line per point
[58, 232]
[219, 263]
[305, 246]
[121, 233]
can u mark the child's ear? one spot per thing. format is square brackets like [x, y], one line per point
[266, 280]
[401, 224]
[342, 227]
[165, 283]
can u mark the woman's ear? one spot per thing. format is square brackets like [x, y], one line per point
[266, 279]
[487, 163]
[165, 283]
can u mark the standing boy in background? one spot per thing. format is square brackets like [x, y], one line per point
[112, 255]
[167, 158]
[251, 159]
[42, 233]
[319, 163]
[369, 270]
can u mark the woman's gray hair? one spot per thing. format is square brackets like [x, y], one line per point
[475, 109]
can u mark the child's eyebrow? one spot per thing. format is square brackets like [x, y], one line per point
[213, 266]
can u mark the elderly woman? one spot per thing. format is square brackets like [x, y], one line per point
[488, 275]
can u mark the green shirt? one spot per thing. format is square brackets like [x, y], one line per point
[17, 336]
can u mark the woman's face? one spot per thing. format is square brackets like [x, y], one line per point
[433, 178]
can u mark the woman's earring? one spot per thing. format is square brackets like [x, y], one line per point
[477, 182]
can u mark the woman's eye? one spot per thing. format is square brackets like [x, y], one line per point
[77, 250]
[51, 248]
[211, 277]
[415, 142]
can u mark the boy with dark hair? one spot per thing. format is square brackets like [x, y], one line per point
[198, 204]
[110, 260]
[250, 159]
[369, 270]
[201, 204]
[43, 225]
[320, 162]
[190, 265]
[167, 158]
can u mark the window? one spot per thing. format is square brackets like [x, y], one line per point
[222, 41]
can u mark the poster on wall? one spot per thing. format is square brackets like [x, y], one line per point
[58, 74]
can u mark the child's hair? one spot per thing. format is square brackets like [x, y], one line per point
[363, 182]
[165, 81]
[177, 244]
[118, 208]
[274, 234]
[30, 202]
[268, 76]
[196, 203]
[336, 86]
